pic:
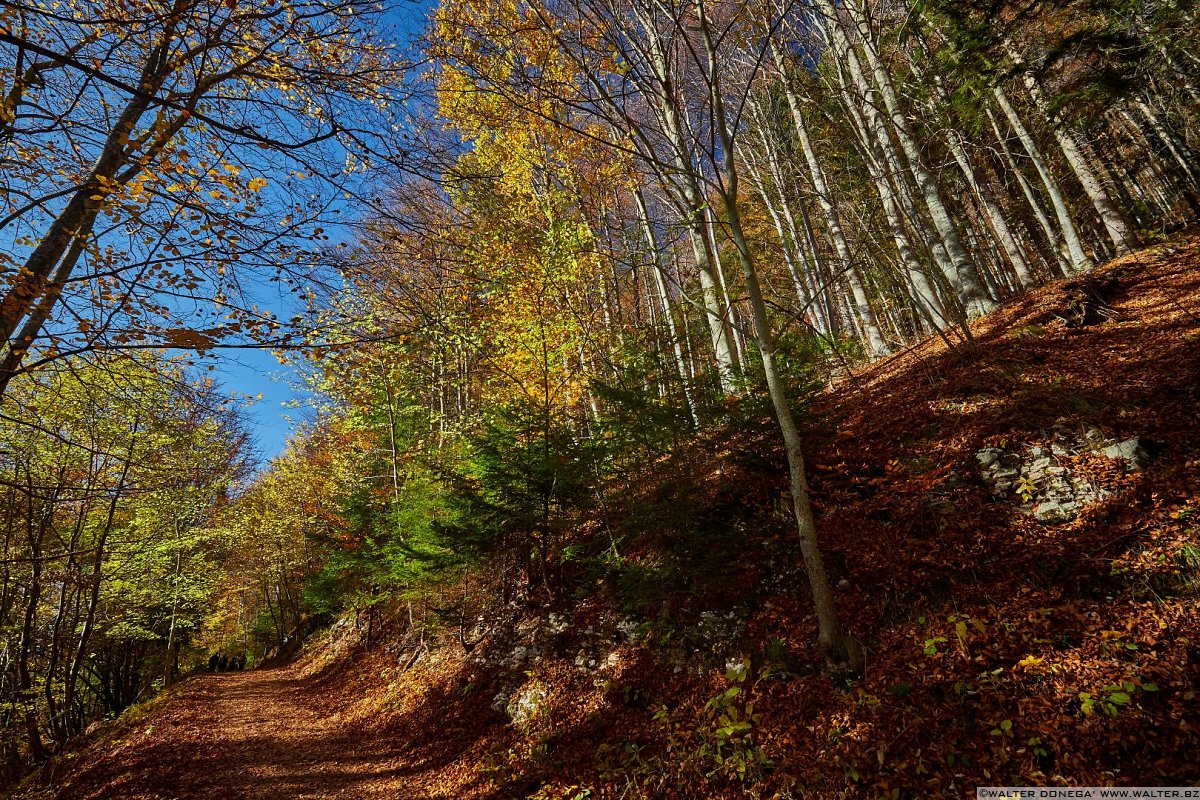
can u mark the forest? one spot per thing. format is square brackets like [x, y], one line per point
[751, 398]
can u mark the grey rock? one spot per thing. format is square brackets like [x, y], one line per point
[1130, 452]
[527, 706]
[1039, 480]
[1040, 464]
[1054, 511]
[988, 456]
[500, 701]
[518, 657]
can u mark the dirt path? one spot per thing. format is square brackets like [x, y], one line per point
[246, 736]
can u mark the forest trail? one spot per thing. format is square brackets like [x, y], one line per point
[243, 736]
[1100, 609]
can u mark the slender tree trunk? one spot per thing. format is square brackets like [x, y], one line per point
[918, 288]
[961, 272]
[835, 645]
[1120, 232]
[1069, 233]
[1174, 146]
[694, 205]
[833, 223]
[664, 300]
[786, 243]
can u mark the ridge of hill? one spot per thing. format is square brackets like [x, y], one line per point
[1014, 532]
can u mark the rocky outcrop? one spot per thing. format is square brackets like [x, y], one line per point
[1043, 479]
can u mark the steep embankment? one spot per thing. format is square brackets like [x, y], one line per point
[1027, 601]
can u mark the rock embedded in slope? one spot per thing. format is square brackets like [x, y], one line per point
[1042, 479]
[528, 706]
[1130, 452]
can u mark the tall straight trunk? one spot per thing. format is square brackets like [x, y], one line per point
[809, 282]
[786, 245]
[925, 301]
[839, 649]
[724, 349]
[648, 293]
[1120, 232]
[665, 301]
[693, 206]
[687, 340]
[899, 206]
[825, 286]
[961, 272]
[38, 522]
[817, 280]
[833, 223]
[832, 639]
[995, 215]
[1067, 230]
[1166, 181]
[730, 316]
[1058, 262]
[1177, 148]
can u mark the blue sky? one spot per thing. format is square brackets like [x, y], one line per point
[270, 420]
[251, 372]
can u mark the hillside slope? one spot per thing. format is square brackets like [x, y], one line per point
[1015, 537]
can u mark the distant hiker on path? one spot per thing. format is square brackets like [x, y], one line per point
[224, 663]
[213, 660]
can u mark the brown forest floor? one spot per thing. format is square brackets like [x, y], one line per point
[1104, 605]
[253, 735]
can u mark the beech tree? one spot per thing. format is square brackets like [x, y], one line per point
[163, 161]
[109, 475]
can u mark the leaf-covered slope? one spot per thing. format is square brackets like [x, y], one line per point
[1000, 648]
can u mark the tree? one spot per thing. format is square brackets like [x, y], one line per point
[159, 162]
[110, 470]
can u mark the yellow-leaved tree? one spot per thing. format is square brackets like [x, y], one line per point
[159, 161]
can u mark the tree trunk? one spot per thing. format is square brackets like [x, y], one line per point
[835, 645]
[1120, 232]
[1069, 233]
[960, 270]
[833, 223]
